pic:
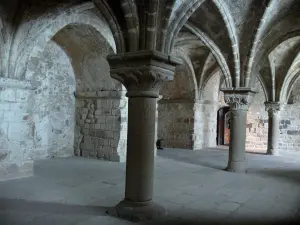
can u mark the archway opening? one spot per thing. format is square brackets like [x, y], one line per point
[78, 108]
[223, 126]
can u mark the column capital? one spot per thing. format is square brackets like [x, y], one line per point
[239, 98]
[273, 107]
[142, 72]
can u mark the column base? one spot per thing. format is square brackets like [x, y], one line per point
[139, 211]
[272, 152]
[237, 167]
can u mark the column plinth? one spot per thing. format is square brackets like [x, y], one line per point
[142, 73]
[239, 101]
[273, 109]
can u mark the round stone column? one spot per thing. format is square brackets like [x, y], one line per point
[273, 109]
[142, 73]
[239, 101]
[236, 159]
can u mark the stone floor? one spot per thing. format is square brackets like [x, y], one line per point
[188, 183]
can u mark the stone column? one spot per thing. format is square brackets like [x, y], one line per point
[273, 109]
[142, 73]
[239, 101]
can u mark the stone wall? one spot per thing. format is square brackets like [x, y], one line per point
[176, 123]
[53, 104]
[72, 62]
[257, 123]
[208, 110]
[101, 125]
[41, 123]
[289, 138]
[176, 111]
[205, 128]
[186, 122]
[17, 129]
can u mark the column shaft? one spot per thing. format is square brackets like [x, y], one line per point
[236, 162]
[140, 149]
[273, 109]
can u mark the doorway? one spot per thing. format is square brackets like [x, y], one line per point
[223, 126]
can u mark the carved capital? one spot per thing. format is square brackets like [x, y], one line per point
[143, 72]
[273, 108]
[238, 99]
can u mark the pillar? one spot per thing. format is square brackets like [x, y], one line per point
[273, 109]
[142, 73]
[238, 101]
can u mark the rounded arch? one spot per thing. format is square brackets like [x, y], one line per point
[216, 52]
[101, 105]
[39, 39]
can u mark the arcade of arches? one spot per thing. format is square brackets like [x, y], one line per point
[105, 81]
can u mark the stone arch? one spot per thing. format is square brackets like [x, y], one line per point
[183, 14]
[101, 106]
[264, 88]
[211, 84]
[39, 37]
[281, 32]
[288, 84]
[282, 85]
[189, 86]
[216, 52]
[176, 108]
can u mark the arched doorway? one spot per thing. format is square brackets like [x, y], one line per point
[78, 108]
[223, 126]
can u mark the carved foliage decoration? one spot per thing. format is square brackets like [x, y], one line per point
[238, 101]
[141, 80]
[273, 108]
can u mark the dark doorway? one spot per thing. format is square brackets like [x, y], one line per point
[223, 126]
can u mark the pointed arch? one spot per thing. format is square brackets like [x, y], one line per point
[214, 50]
[181, 17]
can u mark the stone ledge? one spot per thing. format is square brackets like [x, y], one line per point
[113, 94]
[107, 157]
[18, 84]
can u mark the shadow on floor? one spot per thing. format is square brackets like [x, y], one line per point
[284, 174]
[71, 210]
[215, 159]
[50, 207]
[241, 221]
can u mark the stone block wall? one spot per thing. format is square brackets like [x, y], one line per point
[176, 123]
[101, 125]
[205, 128]
[17, 129]
[289, 138]
[257, 123]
